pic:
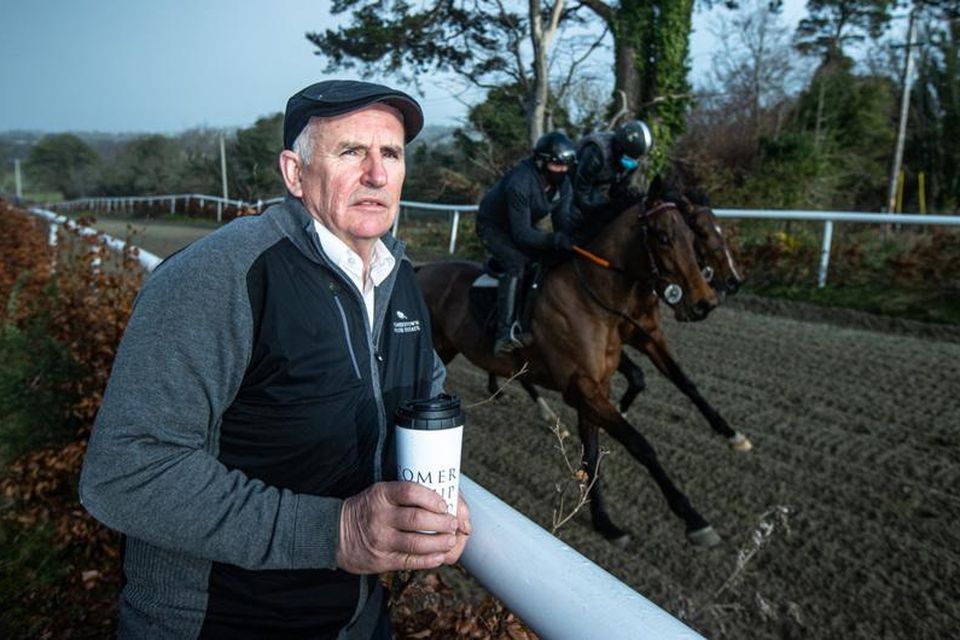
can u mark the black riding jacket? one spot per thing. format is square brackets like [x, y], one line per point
[598, 169]
[519, 201]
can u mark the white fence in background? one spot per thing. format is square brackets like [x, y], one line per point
[555, 590]
[829, 217]
[121, 204]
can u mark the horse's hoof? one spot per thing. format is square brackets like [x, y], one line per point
[621, 541]
[705, 537]
[740, 442]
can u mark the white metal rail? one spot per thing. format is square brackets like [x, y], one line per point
[827, 217]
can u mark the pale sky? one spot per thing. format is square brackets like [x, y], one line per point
[132, 65]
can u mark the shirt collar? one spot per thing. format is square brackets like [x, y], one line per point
[381, 260]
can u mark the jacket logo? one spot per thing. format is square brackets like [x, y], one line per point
[405, 325]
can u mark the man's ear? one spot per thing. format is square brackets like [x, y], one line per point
[290, 169]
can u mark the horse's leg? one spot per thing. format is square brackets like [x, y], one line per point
[546, 411]
[492, 387]
[635, 381]
[656, 349]
[589, 437]
[590, 398]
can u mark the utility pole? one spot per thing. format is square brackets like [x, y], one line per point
[223, 175]
[904, 110]
[19, 182]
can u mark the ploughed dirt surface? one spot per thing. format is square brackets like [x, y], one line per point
[845, 519]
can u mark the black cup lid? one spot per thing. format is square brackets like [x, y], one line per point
[440, 412]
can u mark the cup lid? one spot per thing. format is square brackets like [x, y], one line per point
[440, 412]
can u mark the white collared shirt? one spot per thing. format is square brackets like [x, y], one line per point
[381, 264]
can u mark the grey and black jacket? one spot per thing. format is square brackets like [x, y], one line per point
[247, 400]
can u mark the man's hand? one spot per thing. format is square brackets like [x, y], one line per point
[379, 529]
[562, 242]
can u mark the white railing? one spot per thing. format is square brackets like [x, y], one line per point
[120, 204]
[556, 591]
[827, 217]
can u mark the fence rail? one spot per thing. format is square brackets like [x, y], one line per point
[557, 592]
[455, 210]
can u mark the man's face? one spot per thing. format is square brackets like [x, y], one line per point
[352, 184]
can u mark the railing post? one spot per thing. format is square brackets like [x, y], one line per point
[825, 253]
[453, 231]
[173, 204]
[396, 223]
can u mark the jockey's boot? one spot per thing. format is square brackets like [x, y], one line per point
[506, 314]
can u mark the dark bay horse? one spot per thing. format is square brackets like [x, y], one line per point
[578, 324]
[719, 269]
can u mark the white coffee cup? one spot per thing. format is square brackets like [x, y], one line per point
[429, 435]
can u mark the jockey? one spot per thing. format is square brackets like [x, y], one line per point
[610, 159]
[534, 188]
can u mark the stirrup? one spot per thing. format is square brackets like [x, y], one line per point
[519, 337]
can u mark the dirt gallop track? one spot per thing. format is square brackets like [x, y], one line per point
[846, 516]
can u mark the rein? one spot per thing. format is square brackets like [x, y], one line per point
[596, 299]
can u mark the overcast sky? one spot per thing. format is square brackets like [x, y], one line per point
[131, 65]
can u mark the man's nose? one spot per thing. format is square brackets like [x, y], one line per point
[375, 172]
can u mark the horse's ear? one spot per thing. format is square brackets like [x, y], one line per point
[655, 191]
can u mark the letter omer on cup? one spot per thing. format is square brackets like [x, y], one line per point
[428, 436]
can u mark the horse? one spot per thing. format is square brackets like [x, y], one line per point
[719, 269]
[578, 323]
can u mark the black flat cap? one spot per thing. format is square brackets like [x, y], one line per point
[336, 97]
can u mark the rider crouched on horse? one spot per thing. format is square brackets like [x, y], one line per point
[605, 182]
[534, 188]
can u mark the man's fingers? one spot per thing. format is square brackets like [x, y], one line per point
[412, 494]
[417, 519]
[423, 544]
[416, 563]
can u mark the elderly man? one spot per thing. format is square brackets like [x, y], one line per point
[244, 446]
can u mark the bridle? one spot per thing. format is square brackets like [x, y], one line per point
[669, 292]
[702, 256]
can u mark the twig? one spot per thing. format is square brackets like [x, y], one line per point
[519, 373]
[578, 474]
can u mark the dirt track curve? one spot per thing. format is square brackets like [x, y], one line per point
[856, 427]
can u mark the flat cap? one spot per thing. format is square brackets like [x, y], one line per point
[336, 97]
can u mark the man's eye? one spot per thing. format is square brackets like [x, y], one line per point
[352, 151]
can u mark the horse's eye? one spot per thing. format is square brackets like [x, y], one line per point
[663, 238]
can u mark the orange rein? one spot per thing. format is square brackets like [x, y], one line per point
[592, 257]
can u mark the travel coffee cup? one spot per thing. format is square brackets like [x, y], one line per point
[428, 436]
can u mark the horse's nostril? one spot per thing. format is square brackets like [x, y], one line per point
[733, 284]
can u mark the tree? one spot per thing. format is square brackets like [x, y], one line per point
[935, 114]
[831, 25]
[147, 165]
[253, 171]
[489, 43]
[743, 104]
[65, 163]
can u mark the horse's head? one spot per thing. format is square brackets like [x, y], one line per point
[670, 256]
[713, 252]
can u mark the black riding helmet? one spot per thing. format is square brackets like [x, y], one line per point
[554, 148]
[634, 138]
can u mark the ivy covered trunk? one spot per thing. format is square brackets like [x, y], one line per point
[652, 45]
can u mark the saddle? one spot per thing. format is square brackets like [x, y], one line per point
[483, 294]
